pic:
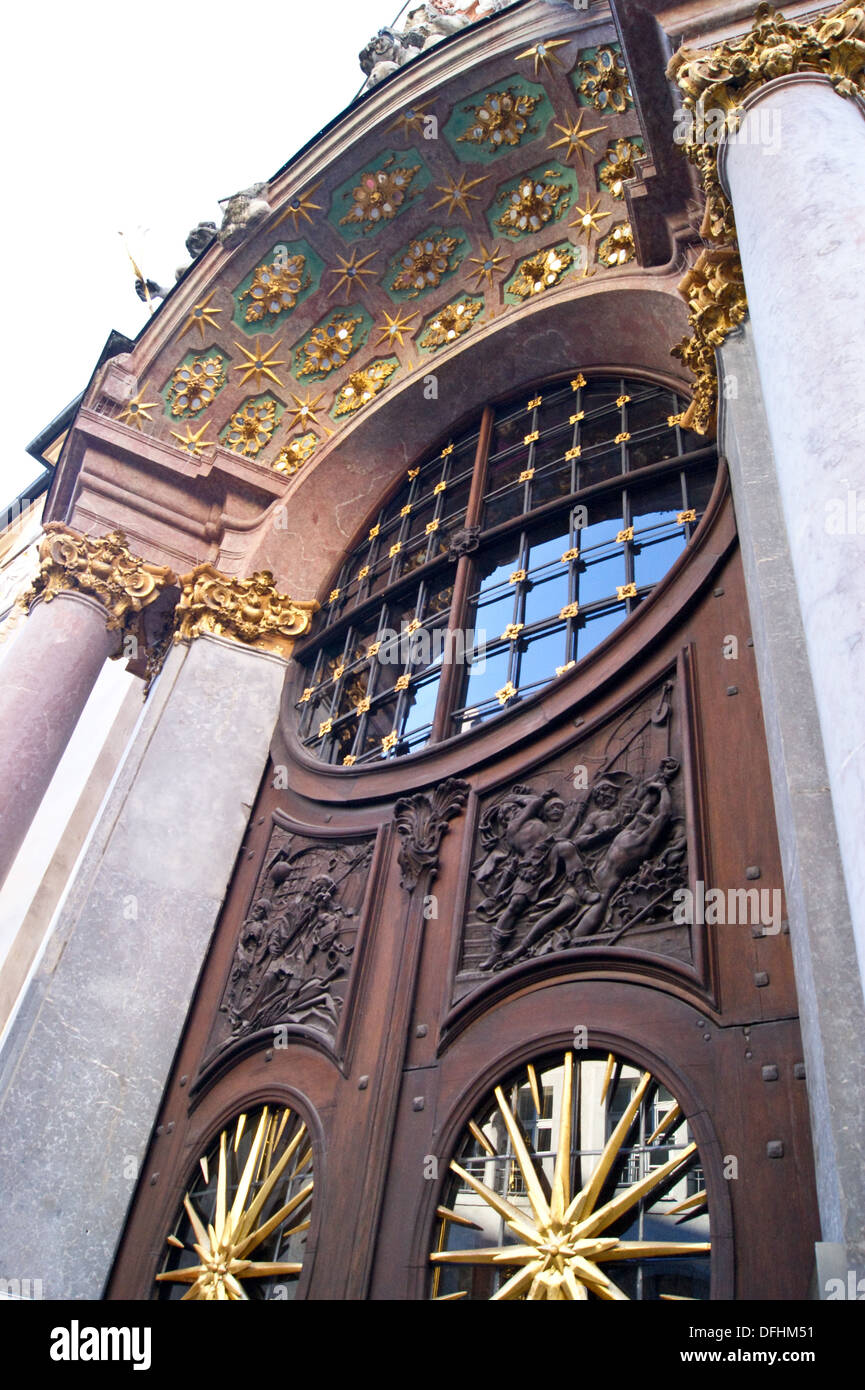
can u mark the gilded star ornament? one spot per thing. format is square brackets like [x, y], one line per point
[487, 262]
[451, 322]
[304, 412]
[544, 55]
[575, 137]
[225, 1238]
[540, 271]
[351, 272]
[136, 411]
[362, 386]
[588, 218]
[458, 194]
[293, 455]
[558, 1239]
[194, 384]
[250, 427]
[259, 364]
[194, 444]
[424, 263]
[329, 346]
[201, 317]
[411, 120]
[391, 331]
[300, 206]
[275, 287]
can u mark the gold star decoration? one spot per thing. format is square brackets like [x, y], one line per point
[575, 137]
[392, 329]
[136, 411]
[456, 192]
[225, 1243]
[588, 219]
[259, 364]
[201, 317]
[543, 54]
[300, 206]
[304, 412]
[351, 272]
[410, 120]
[193, 444]
[487, 264]
[559, 1239]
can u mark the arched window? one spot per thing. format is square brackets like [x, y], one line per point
[504, 558]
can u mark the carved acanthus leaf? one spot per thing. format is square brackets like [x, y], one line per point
[421, 820]
[101, 567]
[247, 610]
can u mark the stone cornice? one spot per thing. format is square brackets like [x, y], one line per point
[101, 568]
[251, 611]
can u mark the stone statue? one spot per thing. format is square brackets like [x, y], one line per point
[241, 213]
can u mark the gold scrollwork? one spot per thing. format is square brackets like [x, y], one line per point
[100, 567]
[251, 610]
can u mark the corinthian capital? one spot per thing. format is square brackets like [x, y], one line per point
[100, 567]
[247, 610]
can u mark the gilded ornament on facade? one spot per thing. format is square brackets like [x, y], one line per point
[531, 205]
[304, 412]
[194, 384]
[259, 363]
[487, 263]
[293, 455]
[194, 442]
[394, 326]
[362, 386]
[100, 567]
[502, 118]
[541, 271]
[605, 81]
[300, 206]
[618, 248]
[619, 165]
[450, 323]
[379, 195]
[575, 137]
[251, 610]
[329, 346]
[544, 54]
[715, 293]
[424, 263]
[457, 194]
[201, 317]
[136, 411]
[251, 427]
[275, 287]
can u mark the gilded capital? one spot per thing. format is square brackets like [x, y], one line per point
[100, 567]
[713, 85]
[251, 610]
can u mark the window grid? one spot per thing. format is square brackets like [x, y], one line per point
[590, 491]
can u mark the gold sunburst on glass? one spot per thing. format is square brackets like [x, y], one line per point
[575, 137]
[392, 329]
[136, 411]
[486, 263]
[259, 364]
[266, 1188]
[193, 443]
[300, 206]
[201, 317]
[543, 54]
[457, 193]
[562, 1212]
[351, 272]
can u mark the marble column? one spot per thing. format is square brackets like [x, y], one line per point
[795, 175]
[85, 593]
[45, 682]
[84, 1065]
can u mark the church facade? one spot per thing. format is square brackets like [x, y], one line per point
[476, 910]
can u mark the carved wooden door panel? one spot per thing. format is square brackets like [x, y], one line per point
[561, 934]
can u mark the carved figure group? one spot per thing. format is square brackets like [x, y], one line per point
[571, 870]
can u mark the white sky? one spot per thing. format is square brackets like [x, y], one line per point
[139, 118]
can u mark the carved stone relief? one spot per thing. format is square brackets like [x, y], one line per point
[294, 950]
[554, 870]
